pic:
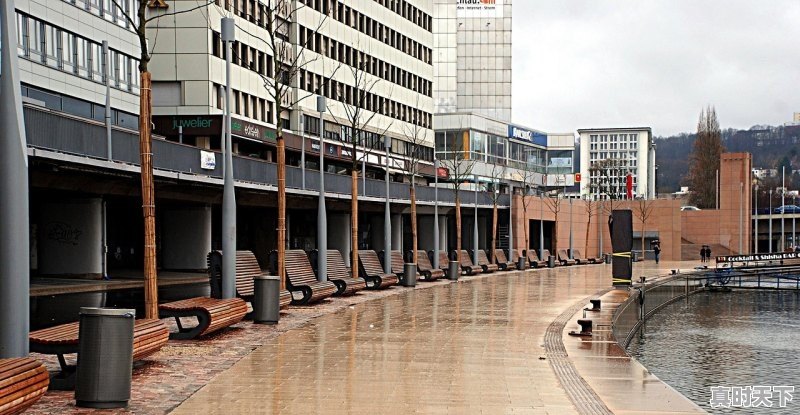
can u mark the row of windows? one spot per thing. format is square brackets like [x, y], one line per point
[616, 155]
[372, 28]
[604, 138]
[80, 108]
[244, 104]
[57, 48]
[368, 139]
[111, 10]
[243, 55]
[401, 7]
[257, 13]
[613, 146]
[351, 56]
[358, 97]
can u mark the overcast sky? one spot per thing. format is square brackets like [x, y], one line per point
[612, 63]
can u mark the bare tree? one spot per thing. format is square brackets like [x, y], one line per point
[528, 175]
[592, 207]
[497, 174]
[643, 209]
[139, 22]
[704, 160]
[555, 205]
[415, 135]
[459, 164]
[360, 131]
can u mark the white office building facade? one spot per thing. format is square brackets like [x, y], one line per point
[618, 152]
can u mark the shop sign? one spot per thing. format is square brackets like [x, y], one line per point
[249, 130]
[523, 134]
[171, 125]
[208, 160]
[479, 8]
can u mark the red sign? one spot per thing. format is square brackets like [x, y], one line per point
[629, 185]
[443, 172]
[577, 177]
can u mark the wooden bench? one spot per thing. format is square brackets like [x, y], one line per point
[547, 256]
[564, 259]
[339, 274]
[212, 314]
[503, 262]
[149, 336]
[397, 262]
[444, 260]
[425, 268]
[372, 271]
[483, 261]
[22, 382]
[534, 261]
[300, 278]
[591, 260]
[247, 268]
[467, 266]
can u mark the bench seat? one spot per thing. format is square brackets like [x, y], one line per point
[372, 271]
[339, 274]
[23, 381]
[564, 258]
[300, 278]
[467, 266]
[503, 262]
[425, 268]
[212, 314]
[591, 260]
[483, 261]
[534, 261]
[247, 268]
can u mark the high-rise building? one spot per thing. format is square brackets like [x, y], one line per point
[610, 155]
[472, 59]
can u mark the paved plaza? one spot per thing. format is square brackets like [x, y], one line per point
[472, 347]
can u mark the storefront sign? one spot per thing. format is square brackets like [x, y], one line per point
[208, 160]
[249, 130]
[523, 134]
[172, 125]
[758, 257]
[479, 8]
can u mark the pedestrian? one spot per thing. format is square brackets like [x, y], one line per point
[657, 251]
[708, 253]
[703, 254]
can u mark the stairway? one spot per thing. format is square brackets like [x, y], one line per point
[691, 251]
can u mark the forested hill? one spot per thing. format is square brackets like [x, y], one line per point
[771, 147]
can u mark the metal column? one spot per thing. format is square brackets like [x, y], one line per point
[436, 214]
[322, 216]
[228, 195]
[387, 218]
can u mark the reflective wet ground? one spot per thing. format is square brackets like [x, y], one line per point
[733, 339]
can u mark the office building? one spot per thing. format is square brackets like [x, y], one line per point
[610, 155]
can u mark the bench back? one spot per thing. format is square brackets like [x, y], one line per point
[336, 265]
[444, 260]
[247, 267]
[482, 258]
[546, 254]
[370, 262]
[423, 263]
[533, 256]
[465, 261]
[576, 254]
[562, 255]
[397, 261]
[500, 256]
[298, 268]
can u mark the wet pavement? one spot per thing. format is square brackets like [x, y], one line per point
[473, 347]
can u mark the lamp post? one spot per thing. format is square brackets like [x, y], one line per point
[387, 218]
[541, 226]
[303, 149]
[322, 216]
[228, 194]
[570, 230]
[436, 214]
[475, 226]
[755, 232]
[794, 203]
[511, 223]
[741, 216]
[783, 207]
[769, 250]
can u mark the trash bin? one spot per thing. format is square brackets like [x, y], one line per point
[453, 271]
[266, 299]
[635, 256]
[608, 258]
[105, 357]
[522, 263]
[409, 275]
[551, 261]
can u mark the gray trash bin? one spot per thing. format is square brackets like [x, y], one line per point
[409, 275]
[105, 357]
[635, 256]
[551, 261]
[522, 263]
[267, 299]
[453, 271]
[608, 258]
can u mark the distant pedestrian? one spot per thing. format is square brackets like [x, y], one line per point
[703, 254]
[657, 251]
[708, 253]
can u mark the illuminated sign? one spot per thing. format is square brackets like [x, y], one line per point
[523, 134]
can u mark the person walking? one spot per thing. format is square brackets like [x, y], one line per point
[703, 254]
[657, 251]
[708, 253]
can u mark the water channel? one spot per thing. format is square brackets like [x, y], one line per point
[734, 339]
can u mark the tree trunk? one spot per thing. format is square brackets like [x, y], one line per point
[413, 194]
[525, 224]
[458, 228]
[281, 208]
[148, 199]
[588, 225]
[555, 236]
[494, 232]
[354, 223]
[643, 224]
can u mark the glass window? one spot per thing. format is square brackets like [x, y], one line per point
[77, 107]
[51, 49]
[68, 52]
[35, 39]
[22, 35]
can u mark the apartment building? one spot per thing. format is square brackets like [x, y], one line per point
[610, 155]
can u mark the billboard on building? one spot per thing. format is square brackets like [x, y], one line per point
[479, 8]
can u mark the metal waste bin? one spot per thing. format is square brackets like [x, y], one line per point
[522, 263]
[105, 357]
[551, 261]
[267, 299]
[608, 258]
[453, 271]
[409, 275]
[635, 256]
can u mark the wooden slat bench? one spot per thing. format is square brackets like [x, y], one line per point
[425, 268]
[22, 382]
[467, 266]
[564, 259]
[397, 261]
[247, 268]
[372, 271]
[212, 314]
[339, 274]
[534, 260]
[149, 336]
[444, 260]
[483, 261]
[300, 278]
[503, 262]
[576, 253]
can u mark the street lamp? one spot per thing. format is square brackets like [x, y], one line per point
[387, 218]
[475, 225]
[570, 231]
[770, 221]
[228, 193]
[436, 214]
[755, 232]
[322, 217]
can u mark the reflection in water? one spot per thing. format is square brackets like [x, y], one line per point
[735, 339]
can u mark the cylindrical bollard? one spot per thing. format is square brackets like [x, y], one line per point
[522, 263]
[409, 275]
[105, 357]
[551, 261]
[635, 256]
[267, 299]
[586, 326]
[608, 258]
[453, 271]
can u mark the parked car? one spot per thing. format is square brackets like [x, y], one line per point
[787, 209]
[689, 208]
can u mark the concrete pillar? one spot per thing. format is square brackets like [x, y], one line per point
[339, 234]
[443, 234]
[186, 238]
[397, 232]
[70, 240]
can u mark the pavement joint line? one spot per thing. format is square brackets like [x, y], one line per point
[578, 390]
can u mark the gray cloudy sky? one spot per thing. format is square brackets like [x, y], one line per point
[608, 63]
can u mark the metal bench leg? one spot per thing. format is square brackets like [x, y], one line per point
[65, 379]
